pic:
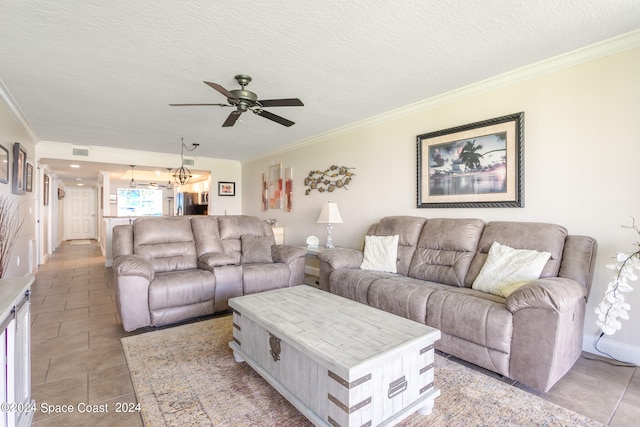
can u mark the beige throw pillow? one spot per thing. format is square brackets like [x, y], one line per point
[380, 253]
[506, 269]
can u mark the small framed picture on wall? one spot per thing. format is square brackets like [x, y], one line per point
[226, 188]
[19, 169]
[4, 165]
[29, 187]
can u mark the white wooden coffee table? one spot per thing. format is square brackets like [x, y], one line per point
[339, 362]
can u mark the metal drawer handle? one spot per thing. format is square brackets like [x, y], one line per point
[274, 343]
[396, 387]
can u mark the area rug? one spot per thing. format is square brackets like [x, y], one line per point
[186, 375]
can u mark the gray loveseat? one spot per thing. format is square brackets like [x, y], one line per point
[534, 336]
[170, 269]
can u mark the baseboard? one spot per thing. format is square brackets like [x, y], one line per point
[620, 351]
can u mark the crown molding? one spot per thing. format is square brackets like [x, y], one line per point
[12, 107]
[589, 53]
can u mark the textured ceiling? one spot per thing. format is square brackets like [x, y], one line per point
[95, 72]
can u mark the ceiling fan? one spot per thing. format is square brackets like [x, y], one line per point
[245, 100]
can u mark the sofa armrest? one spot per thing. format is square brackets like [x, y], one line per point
[133, 265]
[554, 293]
[336, 259]
[218, 259]
[342, 258]
[133, 275]
[547, 334]
[286, 254]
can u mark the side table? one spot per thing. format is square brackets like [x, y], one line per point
[312, 267]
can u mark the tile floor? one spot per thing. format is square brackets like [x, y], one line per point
[77, 357]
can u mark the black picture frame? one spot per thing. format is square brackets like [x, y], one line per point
[29, 181]
[19, 169]
[478, 165]
[226, 188]
[4, 164]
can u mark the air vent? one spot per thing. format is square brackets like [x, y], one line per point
[189, 162]
[81, 152]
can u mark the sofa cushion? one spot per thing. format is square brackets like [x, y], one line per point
[178, 288]
[473, 316]
[264, 277]
[506, 269]
[403, 296]
[536, 236]
[354, 284]
[206, 233]
[445, 250]
[232, 228]
[408, 230]
[380, 253]
[256, 249]
[167, 242]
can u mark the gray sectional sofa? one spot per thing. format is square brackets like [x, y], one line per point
[533, 336]
[170, 269]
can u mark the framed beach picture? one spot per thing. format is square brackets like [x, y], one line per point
[475, 165]
[4, 164]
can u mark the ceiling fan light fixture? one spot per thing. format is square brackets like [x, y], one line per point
[245, 100]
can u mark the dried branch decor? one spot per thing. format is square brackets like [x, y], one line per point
[10, 224]
[328, 180]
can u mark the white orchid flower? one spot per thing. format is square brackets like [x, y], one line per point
[613, 305]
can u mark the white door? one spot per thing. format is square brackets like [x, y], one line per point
[80, 213]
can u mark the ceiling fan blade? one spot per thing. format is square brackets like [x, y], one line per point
[274, 117]
[220, 89]
[231, 120]
[287, 102]
[199, 105]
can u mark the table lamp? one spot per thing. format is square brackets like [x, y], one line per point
[329, 215]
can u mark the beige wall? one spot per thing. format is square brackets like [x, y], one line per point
[582, 145]
[11, 132]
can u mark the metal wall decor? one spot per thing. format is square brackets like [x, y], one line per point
[329, 179]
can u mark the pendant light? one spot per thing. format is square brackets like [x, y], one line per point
[182, 175]
[132, 184]
[169, 183]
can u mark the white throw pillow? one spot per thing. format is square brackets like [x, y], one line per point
[380, 253]
[506, 269]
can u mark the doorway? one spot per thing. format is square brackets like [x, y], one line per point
[80, 214]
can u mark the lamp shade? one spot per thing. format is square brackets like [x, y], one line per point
[330, 214]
